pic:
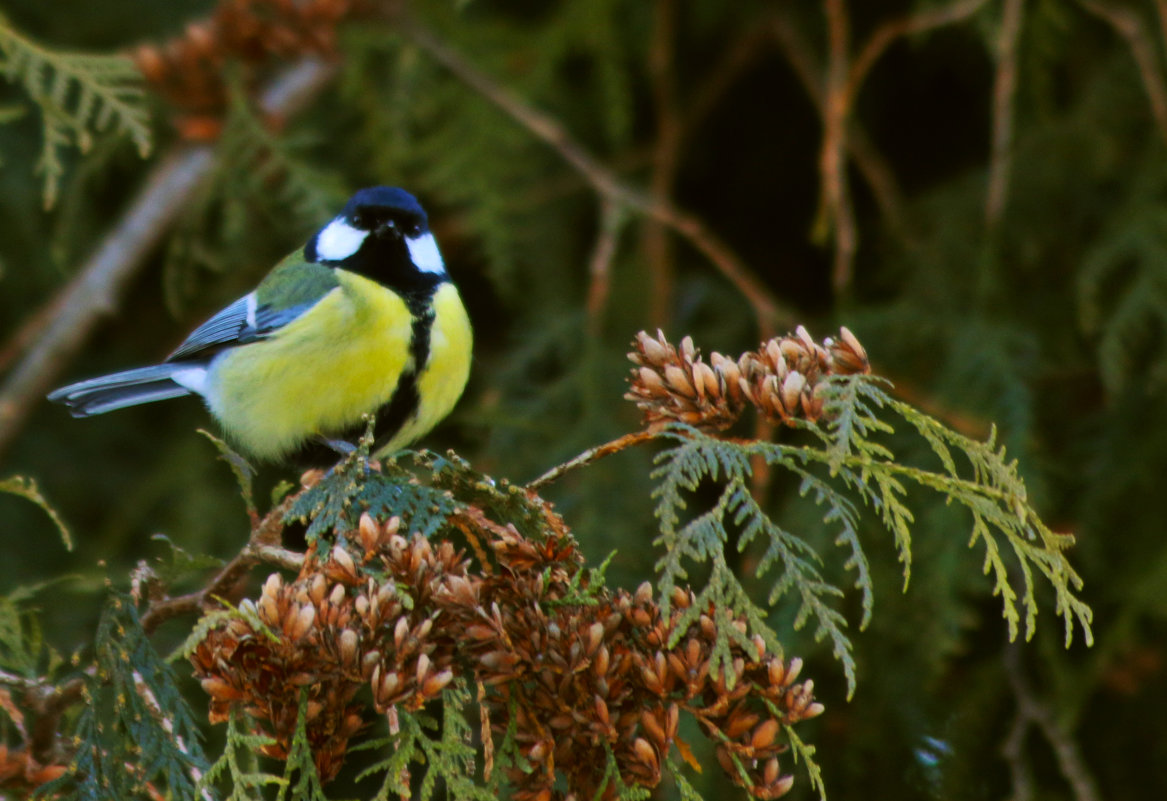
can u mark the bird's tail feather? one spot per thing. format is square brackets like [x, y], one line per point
[128, 388]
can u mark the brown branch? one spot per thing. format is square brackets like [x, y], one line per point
[1031, 710]
[600, 266]
[1161, 7]
[1004, 90]
[888, 32]
[261, 547]
[836, 109]
[658, 250]
[591, 455]
[95, 291]
[768, 311]
[870, 162]
[1129, 25]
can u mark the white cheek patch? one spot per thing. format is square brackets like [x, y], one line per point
[339, 240]
[425, 255]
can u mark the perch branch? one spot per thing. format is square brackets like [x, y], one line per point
[261, 547]
[1004, 90]
[768, 311]
[94, 293]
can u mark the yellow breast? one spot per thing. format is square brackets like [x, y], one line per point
[317, 375]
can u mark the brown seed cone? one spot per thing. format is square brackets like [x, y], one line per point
[784, 379]
[573, 681]
[671, 386]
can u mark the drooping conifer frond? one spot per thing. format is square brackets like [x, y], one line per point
[78, 95]
[846, 466]
[136, 736]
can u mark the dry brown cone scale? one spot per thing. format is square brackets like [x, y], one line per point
[584, 680]
[785, 379]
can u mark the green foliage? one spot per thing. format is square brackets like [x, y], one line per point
[77, 95]
[136, 732]
[238, 765]
[23, 649]
[848, 459]
[445, 747]
[1122, 286]
[26, 488]
[336, 502]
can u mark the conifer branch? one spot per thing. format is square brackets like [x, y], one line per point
[99, 284]
[262, 546]
[768, 311]
[590, 456]
[1004, 89]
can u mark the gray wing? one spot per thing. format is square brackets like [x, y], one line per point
[243, 321]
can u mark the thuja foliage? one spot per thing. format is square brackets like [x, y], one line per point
[77, 96]
[444, 625]
[135, 731]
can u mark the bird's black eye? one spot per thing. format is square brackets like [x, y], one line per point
[363, 220]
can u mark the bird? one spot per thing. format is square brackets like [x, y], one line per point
[363, 319]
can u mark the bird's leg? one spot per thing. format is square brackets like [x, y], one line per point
[346, 450]
[341, 446]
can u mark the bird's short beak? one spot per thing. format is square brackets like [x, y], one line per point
[387, 228]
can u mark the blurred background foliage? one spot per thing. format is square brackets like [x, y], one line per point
[978, 189]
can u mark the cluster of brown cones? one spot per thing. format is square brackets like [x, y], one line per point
[573, 681]
[785, 379]
[189, 69]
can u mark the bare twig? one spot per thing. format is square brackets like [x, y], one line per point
[1004, 89]
[1161, 7]
[591, 455]
[1130, 26]
[768, 311]
[833, 156]
[1031, 710]
[888, 32]
[657, 244]
[870, 162]
[600, 268]
[261, 547]
[95, 291]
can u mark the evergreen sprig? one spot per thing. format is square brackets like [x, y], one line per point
[136, 736]
[78, 95]
[445, 747]
[238, 765]
[845, 462]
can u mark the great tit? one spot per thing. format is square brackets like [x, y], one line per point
[362, 320]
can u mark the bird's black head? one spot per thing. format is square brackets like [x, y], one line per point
[383, 233]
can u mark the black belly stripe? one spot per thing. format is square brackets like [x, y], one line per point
[403, 404]
[392, 416]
